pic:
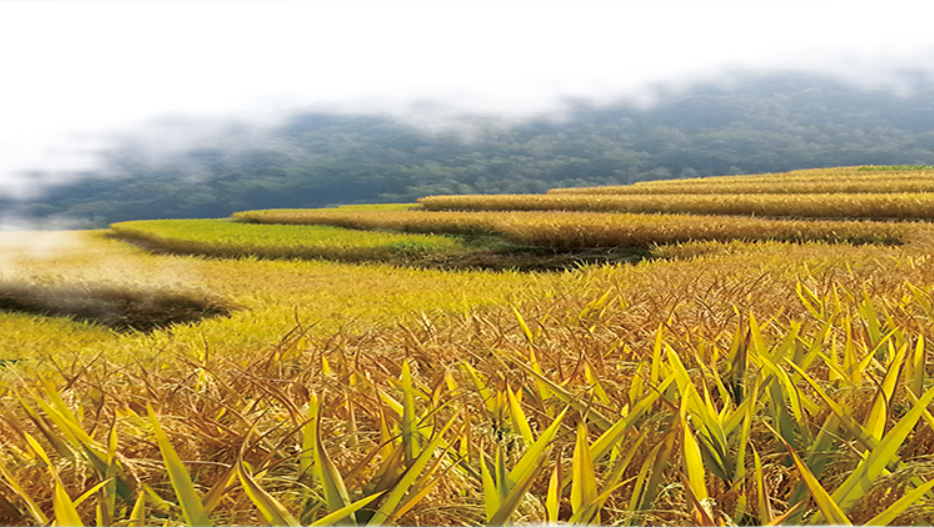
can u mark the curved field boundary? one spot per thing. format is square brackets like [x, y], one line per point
[901, 206]
[776, 185]
[222, 238]
[835, 174]
[564, 230]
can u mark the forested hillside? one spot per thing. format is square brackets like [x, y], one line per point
[316, 158]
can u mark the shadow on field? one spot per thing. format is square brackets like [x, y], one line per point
[120, 309]
[532, 259]
[486, 253]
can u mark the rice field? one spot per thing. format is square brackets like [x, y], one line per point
[728, 381]
[569, 230]
[894, 206]
[904, 179]
[222, 238]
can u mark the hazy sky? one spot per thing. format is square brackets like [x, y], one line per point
[73, 71]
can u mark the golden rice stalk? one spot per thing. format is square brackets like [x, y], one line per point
[31, 506]
[336, 517]
[553, 497]
[762, 493]
[884, 453]
[493, 493]
[188, 499]
[914, 368]
[335, 492]
[896, 508]
[271, 509]
[613, 435]
[826, 505]
[66, 513]
[388, 509]
[410, 440]
[138, 513]
[693, 461]
[519, 421]
[878, 414]
[571, 400]
[583, 478]
[518, 491]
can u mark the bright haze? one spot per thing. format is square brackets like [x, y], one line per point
[77, 73]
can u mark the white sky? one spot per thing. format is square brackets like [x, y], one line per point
[71, 71]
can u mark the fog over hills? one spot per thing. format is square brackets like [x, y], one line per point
[315, 156]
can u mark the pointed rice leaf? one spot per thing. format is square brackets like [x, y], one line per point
[878, 414]
[898, 507]
[870, 318]
[591, 509]
[388, 508]
[525, 328]
[515, 496]
[655, 370]
[58, 441]
[87, 494]
[530, 460]
[66, 514]
[594, 382]
[638, 490]
[602, 446]
[409, 419]
[702, 513]
[916, 370]
[216, 493]
[499, 472]
[519, 421]
[336, 517]
[394, 405]
[765, 504]
[745, 432]
[583, 478]
[787, 390]
[489, 398]
[426, 483]
[656, 473]
[271, 509]
[491, 497]
[553, 497]
[817, 344]
[825, 504]
[845, 418]
[138, 513]
[569, 399]
[758, 342]
[188, 499]
[34, 510]
[783, 519]
[811, 301]
[738, 364]
[693, 461]
[685, 385]
[886, 452]
[71, 428]
[636, 384]
[335, 493]
[544, 392]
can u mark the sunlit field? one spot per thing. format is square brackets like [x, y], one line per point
[742, 371]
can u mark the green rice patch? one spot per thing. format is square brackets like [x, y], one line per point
[225, 238]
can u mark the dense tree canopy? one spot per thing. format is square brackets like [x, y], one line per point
[314, 158]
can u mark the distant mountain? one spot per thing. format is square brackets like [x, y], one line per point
[766, 123]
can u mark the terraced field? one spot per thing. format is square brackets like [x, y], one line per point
[737, 371]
